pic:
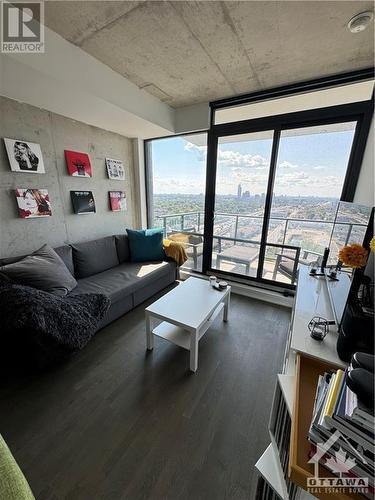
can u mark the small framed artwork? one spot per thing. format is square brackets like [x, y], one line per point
[83, 202]
[115, 169]
[78, 164]
[117, 201]
[24, 156]
[33, 203]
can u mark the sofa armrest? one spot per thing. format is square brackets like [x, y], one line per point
[13, 484]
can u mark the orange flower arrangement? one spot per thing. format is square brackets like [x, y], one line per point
[353, 255]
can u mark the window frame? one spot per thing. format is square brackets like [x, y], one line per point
[149, 172]
[361, 112]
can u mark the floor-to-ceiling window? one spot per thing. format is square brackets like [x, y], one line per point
[310, 173]
[243, 166]
[176, 174]
[259, 196]
[276, 196]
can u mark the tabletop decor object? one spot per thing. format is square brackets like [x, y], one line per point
[354, 256]
[319, 327]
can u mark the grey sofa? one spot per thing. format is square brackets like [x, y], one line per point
[103, 266]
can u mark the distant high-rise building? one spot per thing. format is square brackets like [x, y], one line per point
[246, 194]
[239, 191]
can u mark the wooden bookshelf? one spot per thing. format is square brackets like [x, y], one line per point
[307, 373]
[304, 360]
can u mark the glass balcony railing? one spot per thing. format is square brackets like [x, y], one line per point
[237, 237]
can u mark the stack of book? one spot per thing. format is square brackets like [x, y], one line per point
[342, 430]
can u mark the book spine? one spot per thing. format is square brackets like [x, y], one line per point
[325, 405]
[332, 398]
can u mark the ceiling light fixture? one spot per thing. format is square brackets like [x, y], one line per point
[360, 22]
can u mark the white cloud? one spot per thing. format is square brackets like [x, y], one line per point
[200, 151]
[236, 159]
[303, 184]
[287, 165]
[230, 158]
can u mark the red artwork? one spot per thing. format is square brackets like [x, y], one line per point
[33, 203]
[117, 201]
[78, 164]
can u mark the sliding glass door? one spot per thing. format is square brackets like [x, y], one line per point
[243, 167]
[274, 196]
[309, 177]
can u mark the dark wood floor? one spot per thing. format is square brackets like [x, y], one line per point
[117, 423]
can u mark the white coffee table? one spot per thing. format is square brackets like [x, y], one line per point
[188, 311]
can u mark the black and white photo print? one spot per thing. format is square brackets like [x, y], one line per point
[24, 156]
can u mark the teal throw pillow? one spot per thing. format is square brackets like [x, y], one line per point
[145, 245]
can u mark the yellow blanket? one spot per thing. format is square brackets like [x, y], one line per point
[176, 251]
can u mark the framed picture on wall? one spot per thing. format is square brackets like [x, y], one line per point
[115, 169]
[33, 203]
[24, 156]
[83, 202]
[78, 164]
[117, 201]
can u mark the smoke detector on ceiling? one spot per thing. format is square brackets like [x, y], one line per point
[360, 22]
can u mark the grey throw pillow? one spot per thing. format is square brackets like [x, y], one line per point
[44, 270]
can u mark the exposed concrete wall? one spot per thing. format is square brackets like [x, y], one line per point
[366, 183]
[140, 183]
[55, 133]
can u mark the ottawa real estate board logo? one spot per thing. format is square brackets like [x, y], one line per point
[22, 27]
[348, 471]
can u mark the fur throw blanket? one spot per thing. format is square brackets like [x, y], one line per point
[47, 325]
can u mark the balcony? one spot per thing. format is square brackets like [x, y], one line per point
[236, 242]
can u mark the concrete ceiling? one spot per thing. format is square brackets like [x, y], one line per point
[186, 52]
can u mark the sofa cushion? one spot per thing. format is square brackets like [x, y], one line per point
[9, 260]
[44, 270]
[156, 286]
[96, 256]
[145, 247]
[123, 280]
[122, 246]
[64, 252]
[66, 255]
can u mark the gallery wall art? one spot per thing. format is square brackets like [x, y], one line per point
[83, 202]
[115, 169]
[117, 201]
[33, 203]
[78, 164]
[24, 156]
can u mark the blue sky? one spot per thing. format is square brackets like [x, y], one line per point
[307, 165]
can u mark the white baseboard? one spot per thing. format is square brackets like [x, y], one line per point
[249, 291]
